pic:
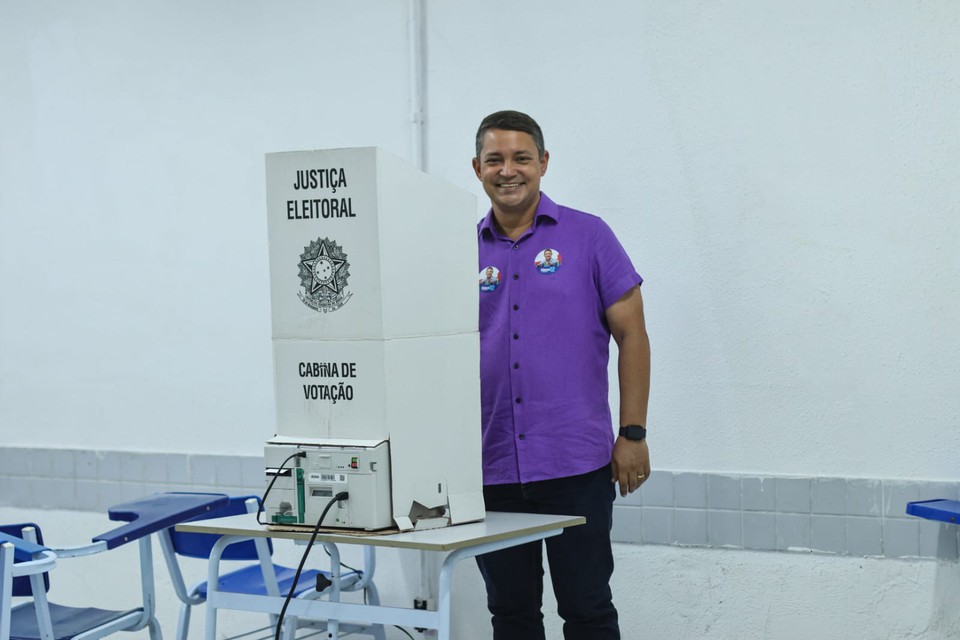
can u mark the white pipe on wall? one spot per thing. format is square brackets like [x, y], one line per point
[418, 64]
[429, 562]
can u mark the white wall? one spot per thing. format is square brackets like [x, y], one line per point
[133, 255]
[784, 176]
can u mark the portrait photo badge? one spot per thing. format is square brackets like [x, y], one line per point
[548, 261]
[489, 279]
[324, 271]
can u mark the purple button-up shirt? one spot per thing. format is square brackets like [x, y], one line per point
[544, 344]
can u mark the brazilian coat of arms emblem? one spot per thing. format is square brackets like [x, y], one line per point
[324, 271]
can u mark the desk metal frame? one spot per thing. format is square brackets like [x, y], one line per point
[498, 531]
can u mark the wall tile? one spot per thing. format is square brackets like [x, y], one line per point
[864, 536]
[856, 515]
[828, 533]
[108, 495]
[759, 531]
[690, 491]
[627, 524]
[634, 499]
[41, 462]
[793, 531]
[132, 467]
[724, 529]
[6, 490]
[793, 495]
[155, 468]
[203, 470]
[901, 537]
[758, 494]
[87, 493]
[15, 461]
[828, 496]
[109, 465]
[63, 464]
[62, 492]
[22, 489]
[657, 525]
[896, 495]
[229, 471]
[178, 469]
[85, 464]
[723, 491]
[252, 474]
[939, 540]
[658, 490]
[690, 526]
[863, 497]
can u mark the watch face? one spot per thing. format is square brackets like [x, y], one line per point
[633, 432]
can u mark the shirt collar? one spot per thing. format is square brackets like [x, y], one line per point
[546, 208]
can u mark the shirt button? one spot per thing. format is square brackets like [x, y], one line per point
[516, 246]
[516, 336]
[516, 365]
[518, 400]
[515, 307]
[516, 276]
[521, 436]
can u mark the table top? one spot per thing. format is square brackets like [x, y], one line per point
[496, 526]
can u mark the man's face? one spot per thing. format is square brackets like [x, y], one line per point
[489, 273]
[510, 169]
[548, 255]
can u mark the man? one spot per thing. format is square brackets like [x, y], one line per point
[548, 443]
[548, 260]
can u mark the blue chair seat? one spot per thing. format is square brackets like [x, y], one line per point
[67, 621]
[250, 580]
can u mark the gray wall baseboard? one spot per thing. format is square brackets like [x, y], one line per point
[842, 516]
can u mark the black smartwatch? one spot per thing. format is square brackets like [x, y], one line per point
[634, 432]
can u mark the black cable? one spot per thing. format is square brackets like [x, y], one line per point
[343, 495]
[405, 632]
[263, 500]
[343, 564]
[346, 566]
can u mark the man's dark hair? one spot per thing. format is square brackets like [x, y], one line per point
[511, 121]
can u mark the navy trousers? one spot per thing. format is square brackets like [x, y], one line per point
[581, 560]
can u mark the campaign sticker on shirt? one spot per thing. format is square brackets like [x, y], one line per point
[548, 261]
[489, 279]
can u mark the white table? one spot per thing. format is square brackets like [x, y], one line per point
[498, 531]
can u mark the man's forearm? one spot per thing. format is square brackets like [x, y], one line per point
[634, 372]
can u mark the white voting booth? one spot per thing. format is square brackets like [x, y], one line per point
[373, 276]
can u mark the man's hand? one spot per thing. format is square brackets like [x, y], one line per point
[630, 465]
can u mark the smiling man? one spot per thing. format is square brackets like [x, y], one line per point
[548, 442]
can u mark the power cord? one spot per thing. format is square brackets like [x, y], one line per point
[343, 495]
[343, 564]
[263, 500]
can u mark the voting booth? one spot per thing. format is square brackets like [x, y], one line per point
[373, 283]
